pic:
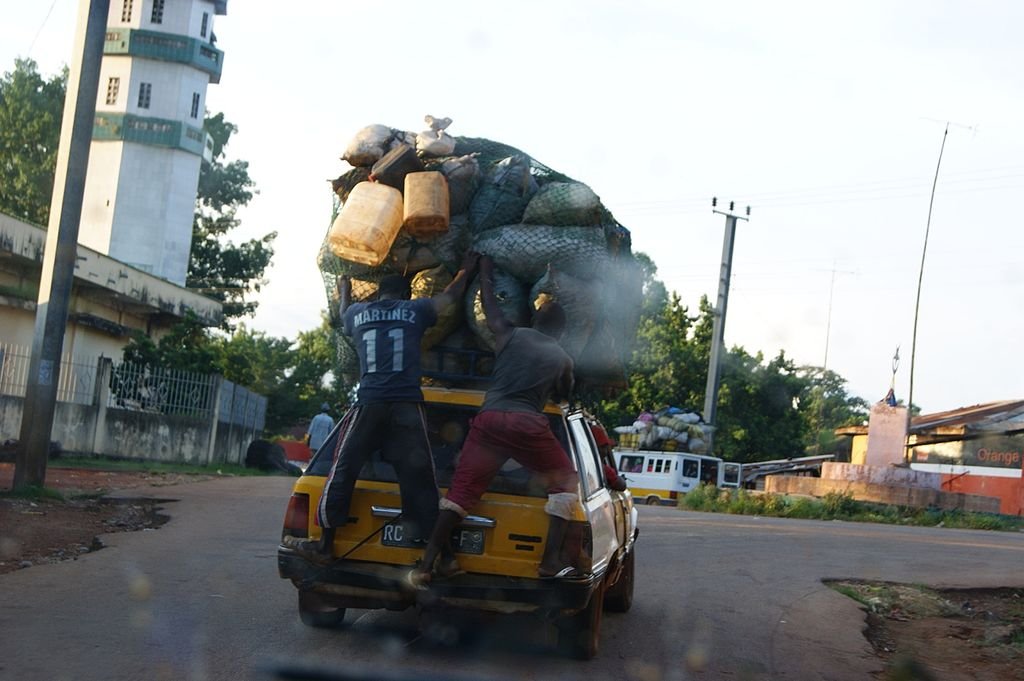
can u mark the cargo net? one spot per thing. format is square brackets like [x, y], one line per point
[551, 239]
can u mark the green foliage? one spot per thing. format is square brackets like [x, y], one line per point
[219, 268]
[297, 377]
[826, 406]
[766, 409]
[655, 295]
[31, 109]
[802, 507]
[703, 498]
[838, 506]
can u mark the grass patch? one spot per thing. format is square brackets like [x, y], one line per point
[33, 492]
[155, 467]
[896, 600]
[839, 506]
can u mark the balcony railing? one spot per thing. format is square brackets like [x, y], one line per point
[165, 47]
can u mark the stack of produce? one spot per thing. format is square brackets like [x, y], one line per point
[668, 429]
[549, 235]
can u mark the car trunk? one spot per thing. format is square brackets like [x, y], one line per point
[504, 534]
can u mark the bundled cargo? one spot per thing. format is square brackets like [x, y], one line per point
[549, 235]
[670, 429]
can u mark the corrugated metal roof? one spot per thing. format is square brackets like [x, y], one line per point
[1002, 415]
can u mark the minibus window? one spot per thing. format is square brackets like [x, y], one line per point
[631, 464]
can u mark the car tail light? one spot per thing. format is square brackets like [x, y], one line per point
[672, 495]
[296, 518]
[579, 546]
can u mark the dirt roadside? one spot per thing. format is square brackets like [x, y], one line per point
[38, 531]
[926, 634]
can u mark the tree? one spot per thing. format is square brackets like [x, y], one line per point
[31, 109]
[218, 268]
[758, 408]
[187, 346]
[761, 410]
[655, 295]
[296, 377]
[826, 406]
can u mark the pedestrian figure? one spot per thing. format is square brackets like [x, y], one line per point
[319, 428]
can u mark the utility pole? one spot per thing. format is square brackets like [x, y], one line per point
[61, 250]
[920, 280]
[718, 328]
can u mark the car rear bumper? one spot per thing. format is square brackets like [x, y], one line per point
[359, 584]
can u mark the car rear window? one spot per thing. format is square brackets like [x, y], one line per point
[447, 428]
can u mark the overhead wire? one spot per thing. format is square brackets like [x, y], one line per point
[876, 190]
[41, 27]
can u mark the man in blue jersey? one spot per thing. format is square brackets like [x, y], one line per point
[388, 414]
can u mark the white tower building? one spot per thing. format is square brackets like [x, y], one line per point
[148, 140]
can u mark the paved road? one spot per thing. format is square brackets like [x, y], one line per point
[735, 597]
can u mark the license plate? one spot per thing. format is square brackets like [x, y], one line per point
[463, 540]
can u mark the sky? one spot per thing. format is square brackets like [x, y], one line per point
[826, 118]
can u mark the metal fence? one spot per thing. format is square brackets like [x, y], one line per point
[241, 406]
[170, 391]
[76, 383]
[141, 388]
[159, 390]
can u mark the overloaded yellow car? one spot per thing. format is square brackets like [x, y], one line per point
[498, 546]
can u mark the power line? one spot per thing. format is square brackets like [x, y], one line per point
[41, 26]
[875, 190]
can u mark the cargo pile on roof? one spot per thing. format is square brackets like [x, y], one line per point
[414, 203]
[667, 429]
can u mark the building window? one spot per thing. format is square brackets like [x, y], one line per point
[145, 93]
[113, 85]
[195, 105]
[158, 12]
[205, 25]
[126, 10]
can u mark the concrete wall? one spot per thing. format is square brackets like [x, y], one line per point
[155, 437]
[1010, 491]
[896, 495]
[231, 443]
[880, 475]
[97, 429]
[887, 435]
[74, 425]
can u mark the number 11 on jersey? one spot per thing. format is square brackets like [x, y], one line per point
[397, 337]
